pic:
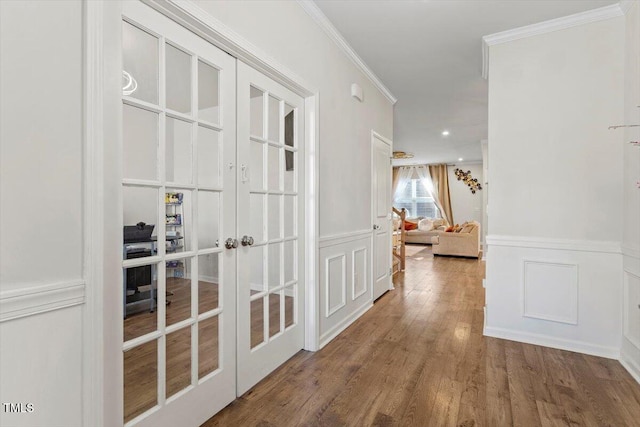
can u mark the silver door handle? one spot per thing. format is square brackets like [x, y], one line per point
[247, 241]
[376, 226]
[231, 243]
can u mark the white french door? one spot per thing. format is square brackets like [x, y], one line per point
[212, 202]
[270, 224]
[179, 284]
[381, 201]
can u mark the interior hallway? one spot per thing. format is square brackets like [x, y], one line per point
[418, 357]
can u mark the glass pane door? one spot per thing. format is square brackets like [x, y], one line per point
[270, 322]
[178, 199]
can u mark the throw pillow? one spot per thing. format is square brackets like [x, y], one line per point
[467, 228]
[410, 226]
[425, 225]
[449, 229]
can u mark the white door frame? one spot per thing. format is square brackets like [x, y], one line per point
[102, 338]
[375, 135]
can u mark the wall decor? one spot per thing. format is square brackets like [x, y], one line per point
[402, 155]
[466, 177]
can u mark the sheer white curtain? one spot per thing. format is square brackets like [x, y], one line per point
[425, 179]
[404, 176]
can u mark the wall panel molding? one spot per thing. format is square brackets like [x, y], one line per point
[355, 294]
[631, 312]
[570, 299]
[541, 279]
[330, 288]
[339, 239]
[349, 256]
[556, 244]
[37, 299]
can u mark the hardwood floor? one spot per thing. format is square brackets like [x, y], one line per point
[141, 363]
[418, 357]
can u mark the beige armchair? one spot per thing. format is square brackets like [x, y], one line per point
[465, 243]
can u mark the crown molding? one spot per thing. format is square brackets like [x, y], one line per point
[625, 5]
[557, 24]
[323, 22]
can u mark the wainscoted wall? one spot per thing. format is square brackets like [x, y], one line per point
[345, 281]
[560, 177]
[556, 293]
[42, 284]
[44, 364]
[630, 352]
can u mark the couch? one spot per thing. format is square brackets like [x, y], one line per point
[465, 242]
[427, 228]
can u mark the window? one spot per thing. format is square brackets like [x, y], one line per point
[415, 199]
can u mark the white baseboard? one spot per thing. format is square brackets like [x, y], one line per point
[553, 342]
[630, 365]
[332, 333]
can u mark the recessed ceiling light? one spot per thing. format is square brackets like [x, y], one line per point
[445, 133]
[460, 159]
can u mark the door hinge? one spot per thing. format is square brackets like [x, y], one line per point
[390, 271]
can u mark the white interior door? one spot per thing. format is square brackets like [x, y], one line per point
[270, 215]
[381, 201]
[179, 287]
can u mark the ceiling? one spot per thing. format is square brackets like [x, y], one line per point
[428, 53]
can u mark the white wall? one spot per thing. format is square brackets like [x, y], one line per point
[283, 30]
[631, 237]
[465, 205]
[554, 270]
[41, 215]
[41, 160]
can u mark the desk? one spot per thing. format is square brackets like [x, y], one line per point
[135, 277]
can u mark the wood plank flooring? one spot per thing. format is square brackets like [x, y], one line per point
[141, 363]
[418, 358]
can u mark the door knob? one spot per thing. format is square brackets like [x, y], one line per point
[247, 241]
[231, 243]
[376, 226]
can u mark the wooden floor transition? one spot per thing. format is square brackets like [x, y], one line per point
[418, 358]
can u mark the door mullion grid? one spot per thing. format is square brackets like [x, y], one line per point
[281, 168]
[265, 186]
[195, 270]
[160, 244]
[265, 286]
[282, 292]
[296, 140]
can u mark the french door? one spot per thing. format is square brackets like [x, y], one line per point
[179, 280]
[212, 182]
[270, 223]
